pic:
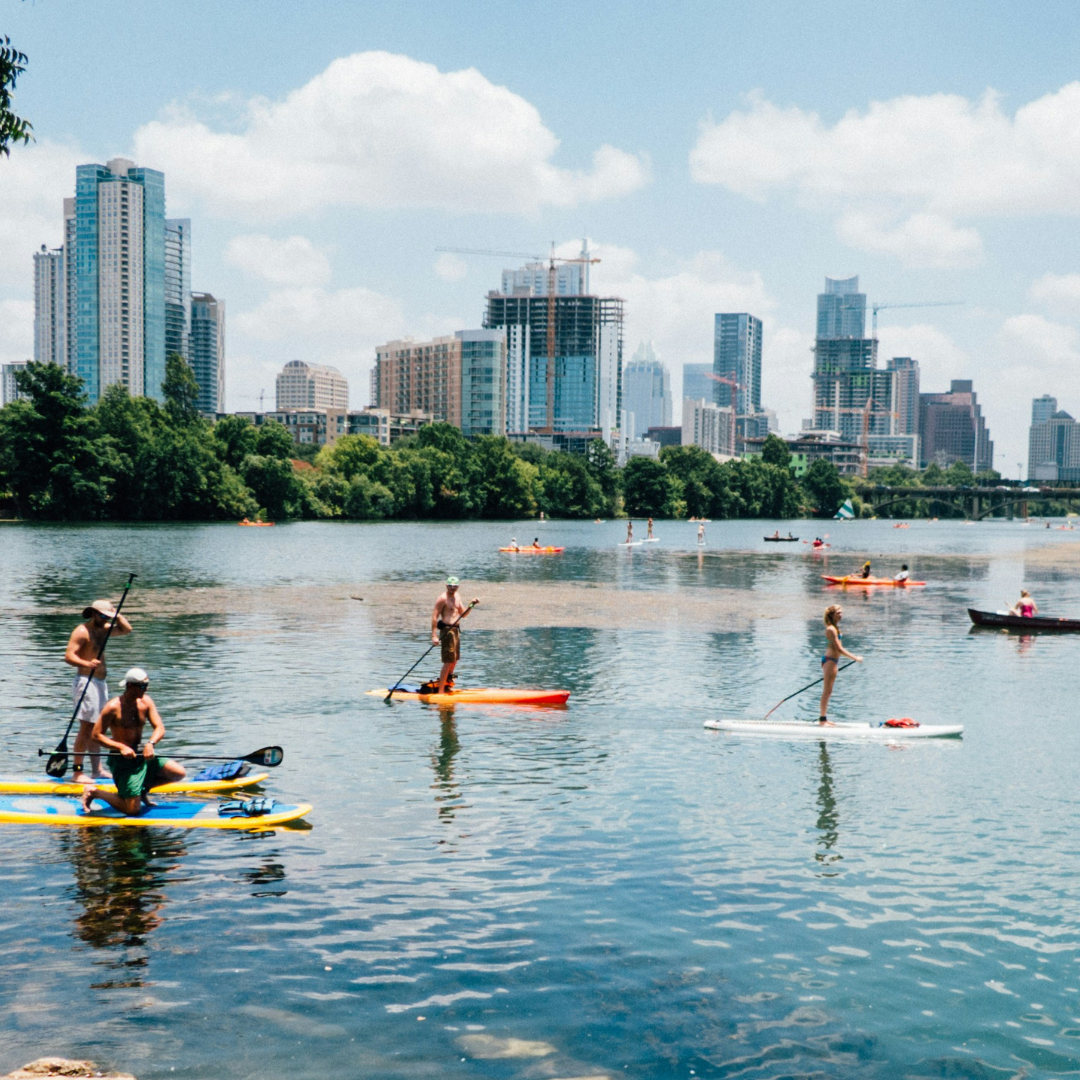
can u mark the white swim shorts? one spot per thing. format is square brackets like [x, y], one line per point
[97, 696]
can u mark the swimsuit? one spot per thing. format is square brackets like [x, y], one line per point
[1027, 609]
[832, 659]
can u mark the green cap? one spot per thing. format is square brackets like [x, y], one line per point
[452, 581]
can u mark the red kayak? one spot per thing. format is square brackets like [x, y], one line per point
[479, 696]
[854, 579]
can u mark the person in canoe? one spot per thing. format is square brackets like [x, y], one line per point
[536, 543]
[865, 571]
[1025, 607]
[776, 535]
[446, 629]
[81, 653]
[120, 727]
[834, 649]
[903, 576]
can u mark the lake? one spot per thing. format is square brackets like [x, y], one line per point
[605, 889]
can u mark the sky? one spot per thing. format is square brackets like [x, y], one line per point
[718, 157]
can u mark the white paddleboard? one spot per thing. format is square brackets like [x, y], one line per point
[802, 729]
[632, 543]
[651, 540]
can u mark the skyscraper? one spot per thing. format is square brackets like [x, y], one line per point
[50, 307]
[583, 391]
[696, 383]
[1042, 408]
[907, 394]
[1053, 442]
[952, 428]
[850, 391]
[311, 386]
[207, 351]
[647, 391]
[483, 374]
[737, 356]
[178, 287]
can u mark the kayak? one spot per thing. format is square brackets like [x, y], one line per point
[256, 524]
[781, 539]
[478, 696]
[43, 786]
[533, 550]
[854, 579]
[1000, 619]
[188, 814]
[809, 730]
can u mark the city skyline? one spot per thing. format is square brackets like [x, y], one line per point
[324, 255]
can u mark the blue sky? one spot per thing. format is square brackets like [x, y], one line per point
[718, 156]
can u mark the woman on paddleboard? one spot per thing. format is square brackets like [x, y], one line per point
[834, 649]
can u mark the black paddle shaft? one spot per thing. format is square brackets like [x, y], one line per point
[58, 762]
[806, 687]
[269, 756]
[429, 648]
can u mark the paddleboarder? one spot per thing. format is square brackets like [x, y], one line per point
[446, 629]
[701, 534]
[82, 654]
[629, 532]
[834, 649]
[649, 534]
[120, 727]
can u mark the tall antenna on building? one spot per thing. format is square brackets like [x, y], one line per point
[261, 395]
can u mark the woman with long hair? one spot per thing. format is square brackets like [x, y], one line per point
[834, 649]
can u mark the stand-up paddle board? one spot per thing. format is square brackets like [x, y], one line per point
[28, 785]
[651, 540]
[189, 814]
[478, 696]
[803, 729]
[631, 543]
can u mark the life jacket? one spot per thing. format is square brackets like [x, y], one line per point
[905, 721]
[432, 687]
[226, 770]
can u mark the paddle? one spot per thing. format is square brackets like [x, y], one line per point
[270, 756]
[806, 687]
[389, 693]
[58, 762]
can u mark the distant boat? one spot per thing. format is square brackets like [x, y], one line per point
[846, 511]
[1001, 619]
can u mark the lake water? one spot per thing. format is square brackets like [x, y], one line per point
[601, 890]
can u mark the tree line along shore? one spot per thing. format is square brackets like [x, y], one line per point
[130, 459]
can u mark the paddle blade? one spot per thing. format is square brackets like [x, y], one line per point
[56, 766]
[269, 756]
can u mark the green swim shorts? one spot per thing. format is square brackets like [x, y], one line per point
[133, 776]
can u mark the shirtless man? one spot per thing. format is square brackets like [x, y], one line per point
[134, 774]
[82, 650]
[449, 611]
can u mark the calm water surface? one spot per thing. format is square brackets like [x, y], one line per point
[605, 890]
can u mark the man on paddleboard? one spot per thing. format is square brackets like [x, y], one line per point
[445, 628]
[82, 649]
[134, 773]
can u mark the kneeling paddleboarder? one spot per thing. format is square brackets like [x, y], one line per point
[133, 773]
[834, 649]
[445, 631]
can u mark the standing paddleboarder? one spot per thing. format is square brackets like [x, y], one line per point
[445, 628]
[834, 649]
[82, 654]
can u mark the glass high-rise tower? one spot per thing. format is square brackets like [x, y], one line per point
[647, 391]
[737, 356]
[207, 351]
[178, 287]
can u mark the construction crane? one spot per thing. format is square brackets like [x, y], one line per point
[552, 260]
[875, 308]
[735, 403]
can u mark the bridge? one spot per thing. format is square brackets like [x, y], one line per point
[974, 503]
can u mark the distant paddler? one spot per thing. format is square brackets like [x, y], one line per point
[701, 534]
[629, 532]
[120, 727]
[1025, 607]
[446, 628]
[649, 535]
[865, 571]
[903, 577]
[536, 543]
[82, 654]
[514, 544]
[834, 649]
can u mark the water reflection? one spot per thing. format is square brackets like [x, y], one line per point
[828, 820]
[120, 877]
[447, 790]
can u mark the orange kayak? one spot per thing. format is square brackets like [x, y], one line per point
[256, 524]
[854, 579]
[479, 696]
[533, 550]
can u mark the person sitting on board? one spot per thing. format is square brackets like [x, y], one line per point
[865, 571]
[776, 535]
[120, 727]
[1025, 607]
[446, 629]
[514, 544]
[903, 575]
[649, 533]
[81, 653]
[789, 535]
[834, 649]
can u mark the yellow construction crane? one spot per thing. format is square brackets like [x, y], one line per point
[875, 308]
[552, 260]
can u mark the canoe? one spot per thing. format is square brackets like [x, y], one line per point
[186, 814]
[533, 550]
[802, 729]
[781, 539]
[1018, 622]
[479, 696]
[44, 786]
[853, 579]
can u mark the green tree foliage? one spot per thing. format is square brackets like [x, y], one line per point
[650, 490]
[501, 485]
[181, 390]
[13, 128]
[234, 439]
[273, 440]
[603, 468]
[823, 486]
[568, 488]
[774, 451]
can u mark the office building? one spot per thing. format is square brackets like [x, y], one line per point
[582, 391]
[206, 351]
[737, 359]
[483, 376]
[8, 390]
[419, 376]
[907, 394]
[851, 394]
[1053, 443]
[697, 382]
[899, 449]
[708, 425]
[812, 445]
[384, 426]
[646, 391]
[311, 386]
[665, 436]
[952, 428]
[178, 298]
[50, 307]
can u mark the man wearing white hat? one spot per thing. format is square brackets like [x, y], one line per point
[82, 654]
[120, 728]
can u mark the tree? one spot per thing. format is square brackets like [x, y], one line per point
[567, 488]
[824, 487]
[501, 485]
[234, 438]
[274, 484]
[650, 490]
[274, 441]
[181, 390]
[13, 128]
[603, 468]
[775, 451]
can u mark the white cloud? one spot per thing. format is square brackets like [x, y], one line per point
[1059, 293]
[293, 261]
[380, 130]
[924, 161]
[16, 330]
[450, 267]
